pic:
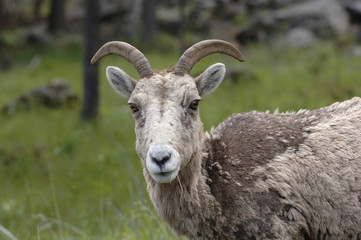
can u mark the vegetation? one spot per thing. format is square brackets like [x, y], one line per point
[63, 178]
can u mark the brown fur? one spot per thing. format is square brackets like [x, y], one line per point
[271, 176]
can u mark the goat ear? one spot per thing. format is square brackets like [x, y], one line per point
[210, 79]
[120, 81]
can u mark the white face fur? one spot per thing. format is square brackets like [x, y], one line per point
[165, 108]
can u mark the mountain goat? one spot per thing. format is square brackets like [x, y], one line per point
[257, 175]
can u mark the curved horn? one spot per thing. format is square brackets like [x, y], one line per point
[127, 51]
[202, 49]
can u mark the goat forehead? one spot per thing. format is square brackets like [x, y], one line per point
[162, 86]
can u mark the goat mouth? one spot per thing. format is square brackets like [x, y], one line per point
[165, 177]
[164, 174]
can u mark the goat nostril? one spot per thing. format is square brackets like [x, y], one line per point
[165, 158]
[154, 159]
[161, 160]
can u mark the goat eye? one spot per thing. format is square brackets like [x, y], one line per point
[194, 105]
[133, 107]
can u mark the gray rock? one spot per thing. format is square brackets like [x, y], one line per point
[355, 51]
[300, 38]
[337, 17]
[353, 7]
[316, 15]
[37, 34]
[55, 94]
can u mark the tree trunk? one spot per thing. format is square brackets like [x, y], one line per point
[57, 16]
[133, 19]
[2, 6]
[5, 59]
[36, 9]
[149, 22]
[181, 26]
[91, 30]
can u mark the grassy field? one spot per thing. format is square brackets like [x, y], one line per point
[63, 178]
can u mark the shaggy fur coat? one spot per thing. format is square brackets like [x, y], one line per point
[271, 176]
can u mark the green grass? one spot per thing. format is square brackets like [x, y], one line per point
[63, 178]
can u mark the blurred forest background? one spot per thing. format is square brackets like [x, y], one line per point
[68, 167]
